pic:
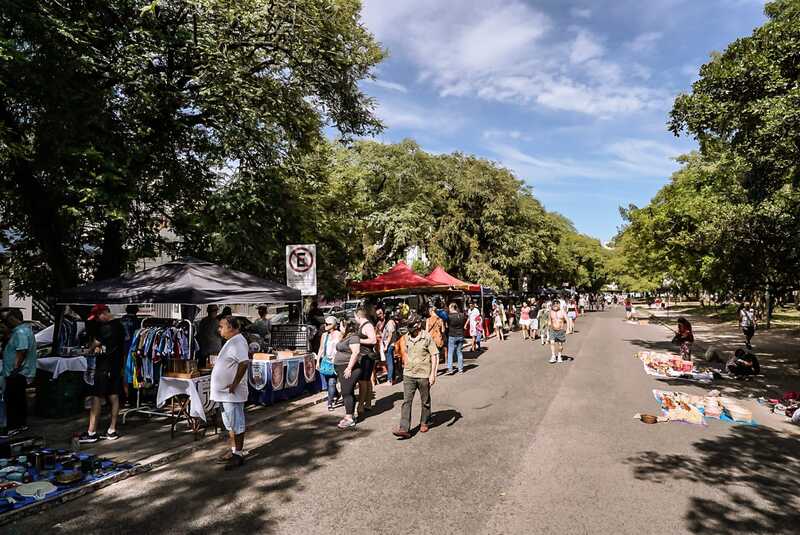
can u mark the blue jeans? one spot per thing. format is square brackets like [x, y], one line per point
[454, 345]
[2, 402]
[390, 363]
[330, 383]
[478, 338]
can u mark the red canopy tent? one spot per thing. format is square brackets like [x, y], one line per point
[439, 275]
[400, 278]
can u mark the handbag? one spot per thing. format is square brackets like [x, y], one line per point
[326, 366]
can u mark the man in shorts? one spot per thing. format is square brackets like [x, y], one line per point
[557, 324]
[108, 345]
[229, 387]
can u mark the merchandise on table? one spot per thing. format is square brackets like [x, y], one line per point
[151, 346]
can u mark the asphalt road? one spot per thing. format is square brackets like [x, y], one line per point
[518, 446]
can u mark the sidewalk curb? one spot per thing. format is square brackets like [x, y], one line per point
[150, 463]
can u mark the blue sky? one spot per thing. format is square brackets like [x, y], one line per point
[571, 96]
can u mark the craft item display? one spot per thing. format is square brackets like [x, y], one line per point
[45, 474]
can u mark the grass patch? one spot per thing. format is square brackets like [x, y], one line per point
[784, 317]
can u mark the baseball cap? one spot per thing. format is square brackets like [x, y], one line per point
[96, 311]
[331, 320]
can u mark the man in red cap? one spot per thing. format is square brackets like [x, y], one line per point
[109, 346]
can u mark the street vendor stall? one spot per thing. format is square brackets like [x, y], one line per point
[399, 279]
[162, 352]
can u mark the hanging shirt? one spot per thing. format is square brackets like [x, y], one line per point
[233, 353]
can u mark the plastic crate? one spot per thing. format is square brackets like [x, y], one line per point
[289, 337]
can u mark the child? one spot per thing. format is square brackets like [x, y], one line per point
[478, 331]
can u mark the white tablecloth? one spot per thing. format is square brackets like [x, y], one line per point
[59, 365]
[197, 389]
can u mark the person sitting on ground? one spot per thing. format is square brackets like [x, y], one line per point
[743, 364]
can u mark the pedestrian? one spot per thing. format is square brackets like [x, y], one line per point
[572, 315]
[442, 313]
[368, 355]
[456, 323]
[498, 324]
[229, 389]
[477, 335]
[434, 326]
[380, 322]
[325, 356]
[19, 369]
[543, 319]
[420, 374]
[512, 316]
[747, 321]
[262, 326]
[581, 304]
[5, 334]
[226, 311]
[347, 363]
[208, 338]
[684, 338]
[389, 336]
[525, 320]
[473, 315]
[557, 322]
[628, 308]
[108, 346]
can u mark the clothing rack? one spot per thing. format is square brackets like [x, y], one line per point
[157, 322]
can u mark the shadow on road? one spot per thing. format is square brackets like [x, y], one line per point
[273, 470]
[755, 471]
[441, 417]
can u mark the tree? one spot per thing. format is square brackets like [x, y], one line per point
[120, 117]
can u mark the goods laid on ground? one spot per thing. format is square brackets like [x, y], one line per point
[667, 366]
[788, 405]
[33, 474]
[683, 407]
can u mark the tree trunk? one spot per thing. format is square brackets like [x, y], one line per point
[113, 259]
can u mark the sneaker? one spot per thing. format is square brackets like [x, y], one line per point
[86, 438]
[330, 408]
[559, 359]
[110, 435]
[553, 359]
[401, 433]
[346, 423]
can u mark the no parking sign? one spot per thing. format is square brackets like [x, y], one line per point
[301, 268]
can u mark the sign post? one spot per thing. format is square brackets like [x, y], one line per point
[301, 268]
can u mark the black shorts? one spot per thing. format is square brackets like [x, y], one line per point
[367, 365]
[749, 331]
[107, 381]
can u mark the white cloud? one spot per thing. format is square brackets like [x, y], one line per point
[417, 118]
[585, 47]
[581, 12]
[508, 51]
[644, 42]
[391, 86]
[505, 134]
[644, 156]
[624, 160]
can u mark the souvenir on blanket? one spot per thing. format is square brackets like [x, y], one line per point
[292, 373]
[258, 376]
[277, 375]
[309, 368]
[680, 407]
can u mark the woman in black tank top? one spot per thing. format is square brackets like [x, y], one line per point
[368, 339]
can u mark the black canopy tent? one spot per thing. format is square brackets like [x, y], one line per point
[187, 281]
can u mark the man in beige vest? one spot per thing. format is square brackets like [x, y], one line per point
[419, 374]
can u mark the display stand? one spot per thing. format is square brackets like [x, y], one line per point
[147, 409]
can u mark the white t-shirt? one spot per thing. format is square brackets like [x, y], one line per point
[473, 315]
[232, 353]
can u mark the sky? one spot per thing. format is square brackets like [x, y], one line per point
[573, 97]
